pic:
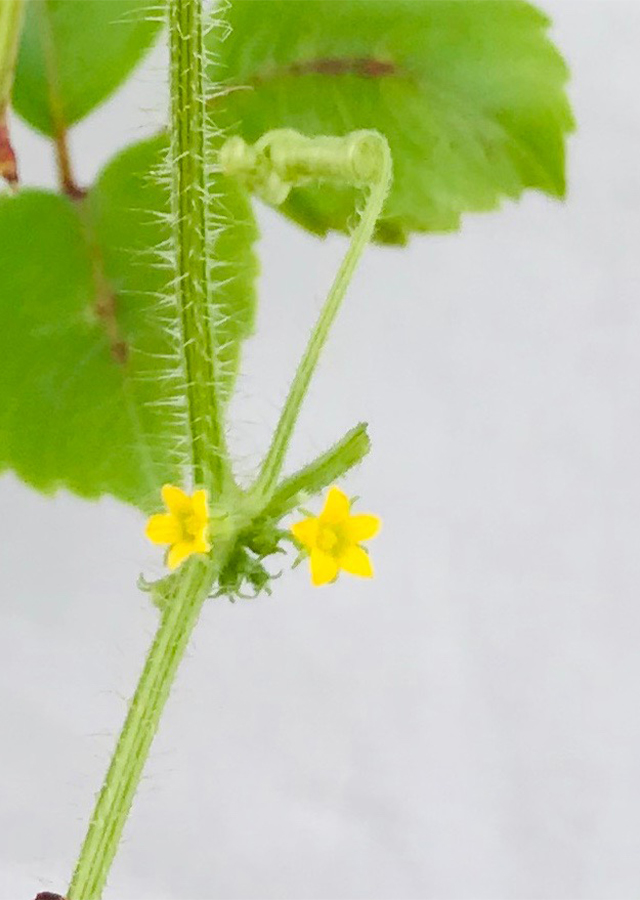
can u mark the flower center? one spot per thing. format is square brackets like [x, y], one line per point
[329, 540]
[190, 526]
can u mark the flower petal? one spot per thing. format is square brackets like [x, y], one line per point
[162, 529]
[362, 527]
[306, 532]
[356, 561]
[201, 544]
[199, 505]
[336, 507]
[175, 499]
[324, 568]
[178, 553]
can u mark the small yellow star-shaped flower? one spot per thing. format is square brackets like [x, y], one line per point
[184, 526]
[333, 538]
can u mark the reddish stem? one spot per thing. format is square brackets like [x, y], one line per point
[8, 162]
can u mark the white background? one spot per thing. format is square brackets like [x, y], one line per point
[467, 725]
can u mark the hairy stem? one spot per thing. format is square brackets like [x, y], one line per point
[190, 208]
[192, 237]
[115, 798]
[274, 460]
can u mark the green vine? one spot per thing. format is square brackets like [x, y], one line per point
[189, 195]
[284, 159]
[246, 524]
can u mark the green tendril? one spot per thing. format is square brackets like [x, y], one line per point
[277, 162]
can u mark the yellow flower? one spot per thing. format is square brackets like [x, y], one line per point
[184, 527]
[333, 539]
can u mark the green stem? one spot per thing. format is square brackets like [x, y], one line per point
[115, 798]
[275, 457]
[192, 241]
[191, 245]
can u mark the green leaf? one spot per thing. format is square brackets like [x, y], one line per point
[75, 53]
[74, 414]
[470, 96]
[91, 392]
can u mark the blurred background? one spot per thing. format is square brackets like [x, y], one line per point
[468, 724]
